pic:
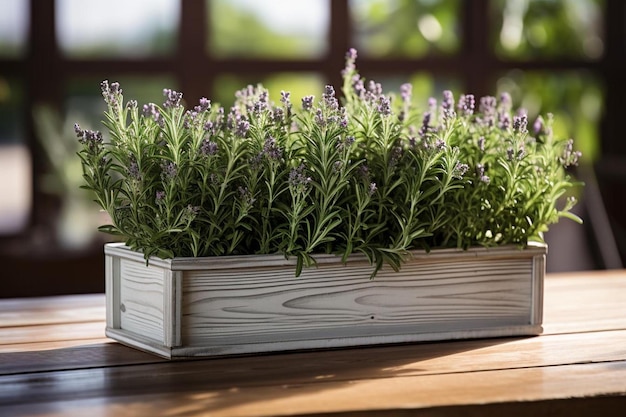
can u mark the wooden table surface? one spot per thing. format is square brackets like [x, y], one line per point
[56, 361]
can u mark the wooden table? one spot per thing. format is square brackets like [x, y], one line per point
[56, 361]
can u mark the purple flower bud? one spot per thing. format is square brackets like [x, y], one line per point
[520, 123]
[481, 143]
[384, 105]
[208, 147]
[358, 86]
[133, 169]
[447, 104]
[243, 126]
[406, 91]
[372, 188]
[168, 170]
[271, 150]
[297, 178]
[307, 103]
[538, 126]
[172, 98]
[466, 104]
[459, 170]
[203, 106]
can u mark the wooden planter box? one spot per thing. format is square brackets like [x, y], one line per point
[246, 304]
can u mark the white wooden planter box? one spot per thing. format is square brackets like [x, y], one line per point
[245, 304]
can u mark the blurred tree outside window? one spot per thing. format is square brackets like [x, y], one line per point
[134, 29]
[549, 29]
[405, 28]
[15, 160]
[279, 29]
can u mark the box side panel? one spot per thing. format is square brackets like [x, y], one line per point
[266, 305]
[142, 299]
[539, 272]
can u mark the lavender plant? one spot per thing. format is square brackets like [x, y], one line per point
[368, 174]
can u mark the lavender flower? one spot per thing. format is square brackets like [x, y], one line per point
[208, 147]
[343, 121]
[319, 118]
[487, 109]
[203, 106]
[350, 66]
[285, 98]
[112, 93]
[384, 105]
[168, 170]
[569, 156]
[330, 101]
[372, 188]
[396, 154]
[466, 104]
[190, 213]
[363, 172]
[425, 125]
[298, 180]
[243, 126]
[509, 154]
[133, 169]
[246, 196]
[504, 120]
[480, 173]
[358, 86]
[277, 115]
[481, 143]
[406, 92]
[459, 170]
[271, 150]
[261, 104]
[447, 105]
[520, 123]
[376, 89]
[346, 143]
[151, 110]
[159, 197]
[172, 98]
[539, 126]
[87, 137]
[307, 103]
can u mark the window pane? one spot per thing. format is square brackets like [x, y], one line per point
[132, 29]
[548, 28]
[267, 28]
[15, 161]
[405, 28]
[575, 98]
[298, 84]
[13, 27]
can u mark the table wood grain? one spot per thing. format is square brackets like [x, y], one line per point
[56, 361]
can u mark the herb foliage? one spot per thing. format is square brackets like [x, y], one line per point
[369, 174]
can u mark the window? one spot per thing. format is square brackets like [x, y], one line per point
[559, 56]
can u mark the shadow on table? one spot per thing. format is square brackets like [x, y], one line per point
[115, 376]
